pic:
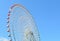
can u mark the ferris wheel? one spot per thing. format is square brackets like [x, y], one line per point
[20, 25]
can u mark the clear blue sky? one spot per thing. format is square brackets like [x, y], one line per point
[45, 12]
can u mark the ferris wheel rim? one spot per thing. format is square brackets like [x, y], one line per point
[19, 5]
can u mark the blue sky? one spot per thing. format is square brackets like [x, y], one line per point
[45, 12]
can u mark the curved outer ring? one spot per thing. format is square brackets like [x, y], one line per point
[27, 12]
[11, 8]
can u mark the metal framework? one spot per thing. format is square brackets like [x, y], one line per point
[20, 21]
